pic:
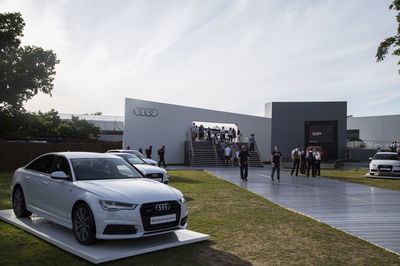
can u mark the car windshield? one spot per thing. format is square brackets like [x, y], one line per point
[138, 154]
[386, 156]
[130, 158]
[103, 168]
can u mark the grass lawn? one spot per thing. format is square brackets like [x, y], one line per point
[245, 229]
[357, 176]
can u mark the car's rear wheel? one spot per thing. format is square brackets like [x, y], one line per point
[19, 205]
[83, 224]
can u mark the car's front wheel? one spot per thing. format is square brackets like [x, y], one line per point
[19, 205]
[83, 224]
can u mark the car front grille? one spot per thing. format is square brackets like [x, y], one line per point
[119, 229]
[148, 210]
[385, 168]
[155, 176]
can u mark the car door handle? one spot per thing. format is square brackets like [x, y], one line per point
[45, 182]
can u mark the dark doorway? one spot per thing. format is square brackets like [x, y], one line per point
[323, 134]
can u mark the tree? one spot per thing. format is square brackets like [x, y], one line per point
[78, 128]
[393, 41]
[24, 71]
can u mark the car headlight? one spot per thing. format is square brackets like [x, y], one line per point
[116, 206]
[182, 200]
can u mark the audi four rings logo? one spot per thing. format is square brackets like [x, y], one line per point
[163, 207]
[143, 111]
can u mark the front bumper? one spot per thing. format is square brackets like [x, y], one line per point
[125, 224]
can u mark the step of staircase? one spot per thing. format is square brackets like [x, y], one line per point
[204, 153]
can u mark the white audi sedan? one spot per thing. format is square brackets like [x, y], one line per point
[150, 171]
[98, 196]
[136, 153]
[385, 164]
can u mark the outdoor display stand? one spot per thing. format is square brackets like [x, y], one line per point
[104, 250]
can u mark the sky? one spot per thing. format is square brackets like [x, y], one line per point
[225, 55]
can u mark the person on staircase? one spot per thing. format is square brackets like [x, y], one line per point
[228, 152]
[252, 140]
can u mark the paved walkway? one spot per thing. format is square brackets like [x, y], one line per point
[372, 214]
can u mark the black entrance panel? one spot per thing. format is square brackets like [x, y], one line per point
[323, 134]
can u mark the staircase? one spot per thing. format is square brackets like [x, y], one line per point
[205, 153]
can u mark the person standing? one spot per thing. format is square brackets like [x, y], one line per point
[227, 151]
[303, 161]
[201, 133]
[244, 163]
[230, 135]
[193, 129]
[252, 140]
[296, 153]
[276, 163]
[141, 150]
[310, 162]
[161, 154]
[128, 148]
[234, 135]
[222, 133]
[317, 159]
[209, 132]
[149, 152]
[239, 136]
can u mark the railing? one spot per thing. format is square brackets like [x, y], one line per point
[369, 144]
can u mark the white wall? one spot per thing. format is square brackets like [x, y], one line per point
[171, 127]
[380, 128]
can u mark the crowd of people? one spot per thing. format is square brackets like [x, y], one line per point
[200, 133]
[395, 147]
[305, 160]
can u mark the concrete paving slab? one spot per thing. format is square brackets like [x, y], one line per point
[372, 214]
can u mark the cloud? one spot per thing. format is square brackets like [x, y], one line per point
[225, 55]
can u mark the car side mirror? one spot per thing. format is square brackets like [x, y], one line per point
[59, 175]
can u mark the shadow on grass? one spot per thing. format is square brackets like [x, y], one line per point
[202, 253]
[180, 179]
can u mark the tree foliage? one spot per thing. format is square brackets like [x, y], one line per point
[393, 41]
[48, 125]
[24, 71]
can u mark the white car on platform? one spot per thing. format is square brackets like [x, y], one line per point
[150, 171]
[385, 164]
[98, 196]
[138, 154]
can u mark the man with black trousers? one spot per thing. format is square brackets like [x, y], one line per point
[310, 162]
[296, 153]
[161, 154]
[244, 163]
[276, 163]
[303, 161]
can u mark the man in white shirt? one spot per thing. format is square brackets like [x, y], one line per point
[227, 151]
[318, 159]
[222, 133]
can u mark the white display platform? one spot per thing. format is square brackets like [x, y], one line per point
[104, 250]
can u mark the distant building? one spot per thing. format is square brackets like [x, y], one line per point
[111, 127]
[324, 124]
